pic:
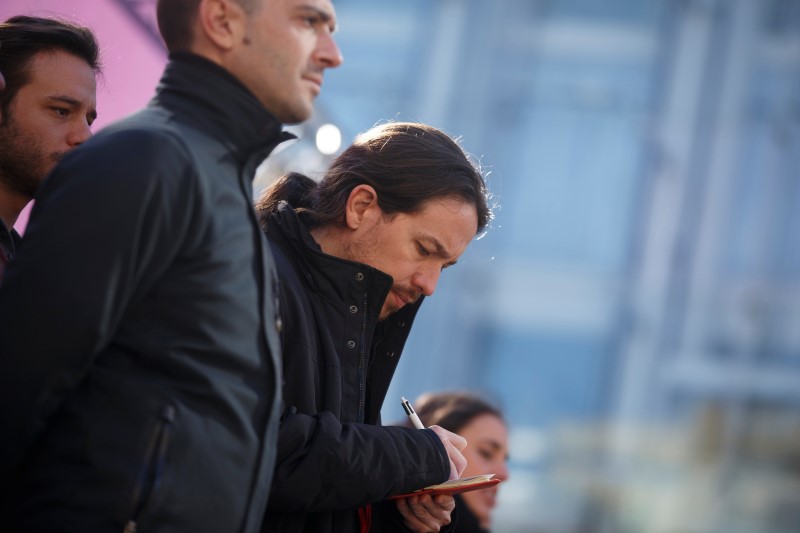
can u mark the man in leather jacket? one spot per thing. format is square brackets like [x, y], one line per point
[355, 256]
[140, 369]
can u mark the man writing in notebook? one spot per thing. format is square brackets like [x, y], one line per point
[356, 254]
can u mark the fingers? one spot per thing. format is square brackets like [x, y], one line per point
[458, 464]
[423, 514]
[457, 441]
[411, 520]
[453, 444]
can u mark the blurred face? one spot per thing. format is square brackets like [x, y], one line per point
[48, 116]
[486, 453]
[414, 248]
[287, 47]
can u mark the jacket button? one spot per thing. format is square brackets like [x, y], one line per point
[401, 323]
[389, 354]
[353, 309]
[360, 276]
[351, 344]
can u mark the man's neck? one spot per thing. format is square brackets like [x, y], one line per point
[327, 241]
[11, 205]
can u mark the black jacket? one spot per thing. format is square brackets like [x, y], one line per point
[9, 240]
[466, 522]
[338, 360]
[140, 357]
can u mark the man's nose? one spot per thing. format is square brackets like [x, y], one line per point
[327, 53]
[426, 280]
[79, 134]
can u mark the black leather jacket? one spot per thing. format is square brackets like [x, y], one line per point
[338, 360]
[140, 356]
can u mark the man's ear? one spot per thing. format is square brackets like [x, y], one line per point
[221, 22]
[362, 206]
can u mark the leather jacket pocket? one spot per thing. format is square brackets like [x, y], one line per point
[152, 470]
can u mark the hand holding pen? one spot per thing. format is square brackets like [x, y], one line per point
[425, 512]
[453, 443]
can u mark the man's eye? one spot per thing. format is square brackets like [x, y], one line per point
[423, 250]
[61, 111]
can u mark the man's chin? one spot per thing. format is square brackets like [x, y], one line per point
[387, 311]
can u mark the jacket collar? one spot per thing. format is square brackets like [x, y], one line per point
[9, 240]
[207, 96]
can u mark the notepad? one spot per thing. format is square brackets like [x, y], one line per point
[455, 486]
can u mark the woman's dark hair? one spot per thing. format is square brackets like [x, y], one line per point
[453, 410]
[22, 37]
[406, 163]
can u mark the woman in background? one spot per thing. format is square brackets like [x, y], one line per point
[484, 427]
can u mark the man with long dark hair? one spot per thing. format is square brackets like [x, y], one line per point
[356, 254]
[46, 110]
[140, 368]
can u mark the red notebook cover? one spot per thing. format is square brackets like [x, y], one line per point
[454, 486]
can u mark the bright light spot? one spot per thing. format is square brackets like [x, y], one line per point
[329, 139]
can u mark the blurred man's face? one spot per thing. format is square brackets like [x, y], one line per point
[48, 116]
[288, 46]
[414, 248]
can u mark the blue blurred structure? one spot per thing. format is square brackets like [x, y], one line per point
[636, 305]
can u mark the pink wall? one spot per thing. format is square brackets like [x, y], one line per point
[132, 62]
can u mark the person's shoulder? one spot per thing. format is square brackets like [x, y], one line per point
[285, 263]
[144, 137]
[128, 158]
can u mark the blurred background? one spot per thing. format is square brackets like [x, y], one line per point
[635, 306]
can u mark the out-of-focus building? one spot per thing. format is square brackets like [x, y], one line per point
[635, 306]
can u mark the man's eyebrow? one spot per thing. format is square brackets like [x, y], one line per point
[325, 16]
[439, 248]
[65, 99]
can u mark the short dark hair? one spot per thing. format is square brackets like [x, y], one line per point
[453, 410]
[22, 37]
[406, 163]
[176, 19]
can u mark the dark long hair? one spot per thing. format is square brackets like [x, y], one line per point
[406, 163]
[22, 37]
[453, 410]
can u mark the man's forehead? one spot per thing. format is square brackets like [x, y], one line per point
[323, 7]
[57, 72]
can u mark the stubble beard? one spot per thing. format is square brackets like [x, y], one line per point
[23, 163]
[359, 252]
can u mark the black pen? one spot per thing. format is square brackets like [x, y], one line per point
[412, 415]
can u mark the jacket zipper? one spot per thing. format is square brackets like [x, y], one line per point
[362, 361]
[152, 470]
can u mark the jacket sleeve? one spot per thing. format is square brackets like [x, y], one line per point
[324, 465]
[104, 223]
